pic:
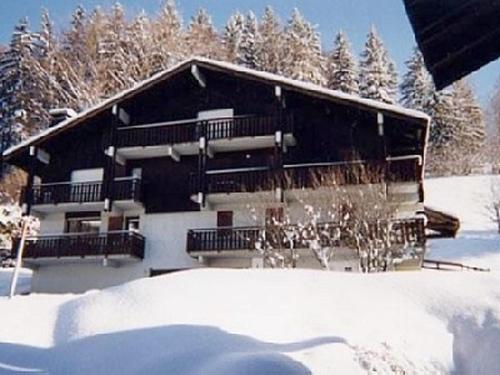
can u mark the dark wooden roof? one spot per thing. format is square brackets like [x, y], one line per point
[456, 37]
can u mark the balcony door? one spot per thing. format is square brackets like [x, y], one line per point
[85, 222]
[86, 185]
[220, 124]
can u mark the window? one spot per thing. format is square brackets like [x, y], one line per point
[224, 219]
[83, 223]
[87, 175]
[132, 223]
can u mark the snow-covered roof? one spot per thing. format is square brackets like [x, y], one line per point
[306, 87]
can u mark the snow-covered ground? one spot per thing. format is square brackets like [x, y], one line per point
[277, 322]
[23, 283]
[478, 242]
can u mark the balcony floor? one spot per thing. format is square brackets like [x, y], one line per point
[43, 209]
[192, 148]
[114, 260]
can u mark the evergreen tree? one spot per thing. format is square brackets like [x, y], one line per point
[270, 44]
[75, 62]
[21, 112]
[233, 37]
[140, 44]
[303, 59]
[167, 39]
[417, 88]
[471, 129]
[457, 132]
[249, 42]
[113, 52]
[377, 78]
[342, 71]
[202, 38]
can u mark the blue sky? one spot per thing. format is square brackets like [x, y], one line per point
[352, 16]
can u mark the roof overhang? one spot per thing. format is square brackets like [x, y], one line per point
[456, 37]
[235, 70]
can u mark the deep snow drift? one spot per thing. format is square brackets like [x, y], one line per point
[278, 322]
[262, 321]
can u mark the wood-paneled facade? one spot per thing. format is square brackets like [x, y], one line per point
[276, 126]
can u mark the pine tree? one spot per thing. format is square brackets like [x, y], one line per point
[113, 53]
[303, 59]
[52, 94]
[233, 37]
[270, 44]
[457, 132]
[471, 128]
[168, 47]
[342, 71]
[140, 43]
[392, 73]
[377, 78]
[417, 88]
[202, 38]
[21, 112]
[249, 42]
[75, 65]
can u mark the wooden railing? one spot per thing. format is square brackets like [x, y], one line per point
[83, 192]
[305, 176]
[83, 245]
[409, 231]
[191, 131]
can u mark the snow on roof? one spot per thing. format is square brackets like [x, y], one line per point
[207, 63]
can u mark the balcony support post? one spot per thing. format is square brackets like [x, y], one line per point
[118, 115]
[28, 196]
[202, 169]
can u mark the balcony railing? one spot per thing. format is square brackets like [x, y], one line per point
[84, 192]
[306, 176]
[120, 243]
[191, 131]
[410, 231]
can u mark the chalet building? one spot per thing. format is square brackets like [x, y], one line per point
[160, 177]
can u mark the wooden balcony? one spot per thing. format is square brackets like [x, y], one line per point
[120, 245]
[306, 176]
[217, 241]
[182, 137]
[84, 195]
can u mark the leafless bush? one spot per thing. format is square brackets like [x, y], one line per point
[338, 207]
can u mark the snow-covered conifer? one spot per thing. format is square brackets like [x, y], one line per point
[233, 36]
[140, 43]
[417, 88]
[168, 46]
[270, 44]
[303, 59]
[202, 38]
[377, 78]
[249, 42]
[21, 112]
[342, 71]
[113, 53]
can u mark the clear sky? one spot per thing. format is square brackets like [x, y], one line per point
[352, 16]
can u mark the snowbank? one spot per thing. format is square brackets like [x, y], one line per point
[478, 242]
[465, 197]
[23, 282]
[263, 321]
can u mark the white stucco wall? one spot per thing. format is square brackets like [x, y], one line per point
[81, 276]
[52, 223]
